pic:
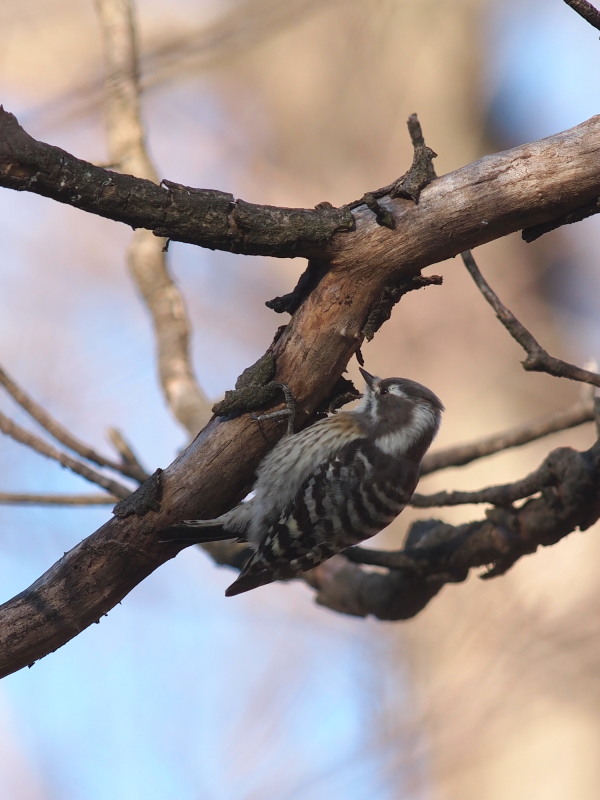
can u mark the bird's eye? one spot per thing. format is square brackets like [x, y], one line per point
[384, 390]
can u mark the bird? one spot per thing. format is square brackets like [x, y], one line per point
[329, 486]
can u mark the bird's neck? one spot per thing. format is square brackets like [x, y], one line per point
[410, 437]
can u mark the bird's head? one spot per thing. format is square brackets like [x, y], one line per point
[404, 414]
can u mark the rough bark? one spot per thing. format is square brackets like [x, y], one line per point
[519, 188]
[499, 194]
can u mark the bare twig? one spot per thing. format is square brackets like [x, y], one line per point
[129, 459]
[497, 495]
[593, 394]
[538, 360]
[59, 432]
[20, 499]
[586, 10]
[147, 253]
[19, 434]
[421, 171]
[577, 414]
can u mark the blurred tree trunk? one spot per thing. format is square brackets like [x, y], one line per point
[503, 673]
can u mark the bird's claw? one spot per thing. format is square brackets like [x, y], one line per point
[289, 412]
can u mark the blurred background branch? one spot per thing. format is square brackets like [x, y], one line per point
[538, 359]
[146, 254]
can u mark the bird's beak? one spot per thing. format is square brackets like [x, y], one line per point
[372, 380]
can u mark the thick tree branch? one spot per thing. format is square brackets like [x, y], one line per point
[205, 217]
[455, 212]
[519, 188]
[146, 255]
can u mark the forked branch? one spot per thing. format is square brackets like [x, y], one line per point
[129, 467]
[10, 428]
[455, 212]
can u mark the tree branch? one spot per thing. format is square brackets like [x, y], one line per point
[502, 495]
[130, 463]
[458, 456]
[471, 206]
[480, 202]
[146, 254]
[437, 553]
[538, 360]
[205, 217]
[19, 434]
[27, 499]
[586, 10]
[62, 435]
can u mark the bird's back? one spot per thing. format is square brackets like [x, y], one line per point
[343, 500]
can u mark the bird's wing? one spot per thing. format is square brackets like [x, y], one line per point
[351, 496]
[292, 461]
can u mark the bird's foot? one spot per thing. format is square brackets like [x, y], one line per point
[289, 412]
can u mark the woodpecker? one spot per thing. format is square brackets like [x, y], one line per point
[330, 486]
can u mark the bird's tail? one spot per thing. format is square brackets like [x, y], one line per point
[196, 531]
[247, 582]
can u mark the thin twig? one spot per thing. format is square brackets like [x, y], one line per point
[502, 495]
[586, 10]
[538, 360]
[78, 500]
[19, 434]
[129, 459]
[58, 431]
[593, 393]
[577, 414]
[146, 255]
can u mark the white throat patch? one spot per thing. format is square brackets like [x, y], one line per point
[396, 443]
